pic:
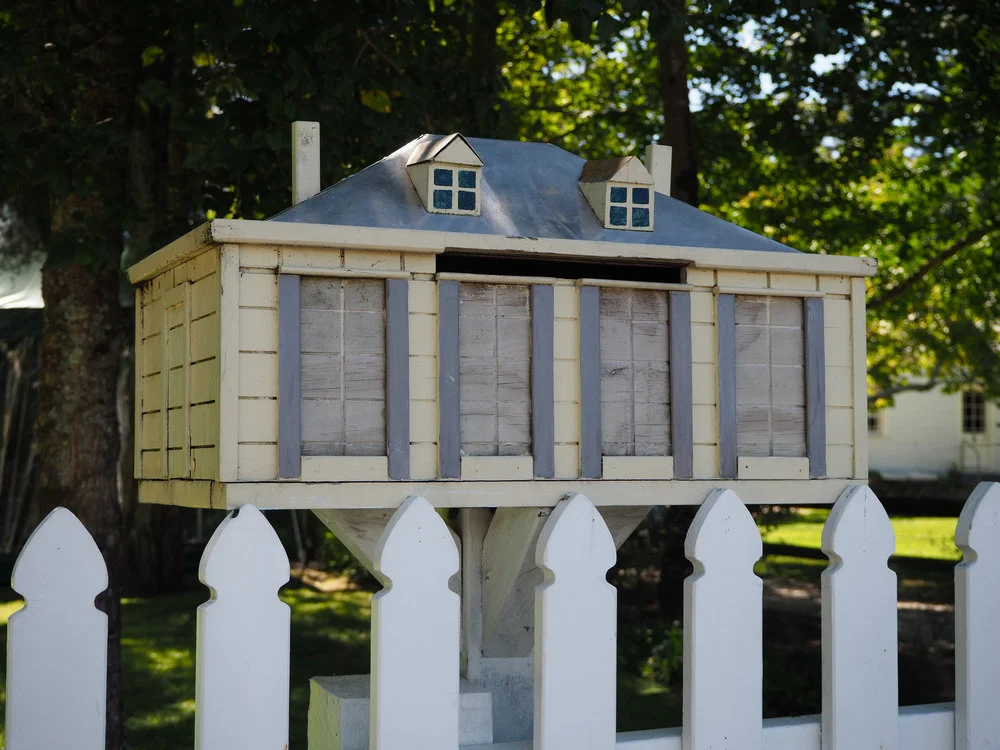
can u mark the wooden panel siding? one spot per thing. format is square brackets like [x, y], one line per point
[635, 379]
[495, 369]
[770, 376]
[342, 331]
[177, 373]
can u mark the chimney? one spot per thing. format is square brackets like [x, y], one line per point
[658, 160]
[305, 160]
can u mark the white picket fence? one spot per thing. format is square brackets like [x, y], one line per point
[57, 651]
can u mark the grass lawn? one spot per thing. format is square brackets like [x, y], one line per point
[330, 635]
[929, 538]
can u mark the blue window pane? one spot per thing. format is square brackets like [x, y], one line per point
[640, 195]
[466, 200]
[619, 194]
[442, 199]
[443, 177]
[619, 215]
[640, 217]
[466, 179]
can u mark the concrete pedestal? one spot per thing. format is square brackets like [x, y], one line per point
[339, 713]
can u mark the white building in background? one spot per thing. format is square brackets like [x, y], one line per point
[931, 433]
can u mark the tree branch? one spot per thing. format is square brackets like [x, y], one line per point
[931, 264]
[932, 382]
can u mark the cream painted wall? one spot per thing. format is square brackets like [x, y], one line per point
[922, 434]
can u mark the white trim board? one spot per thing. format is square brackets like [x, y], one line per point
[538, 493]
[327, 236]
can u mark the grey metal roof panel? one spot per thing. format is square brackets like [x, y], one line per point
[528, 190]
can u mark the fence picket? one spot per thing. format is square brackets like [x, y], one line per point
[575, 631]
[241, 684]
[415, 633]
[723, 656]
[860, 689]
[57, 645]
[977, 614]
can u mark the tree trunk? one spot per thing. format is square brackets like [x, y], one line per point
[78, 429]
[678, 125]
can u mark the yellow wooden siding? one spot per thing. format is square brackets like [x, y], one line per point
[424, 412]
[256, 431]
[177, 380]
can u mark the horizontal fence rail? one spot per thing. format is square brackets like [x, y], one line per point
[57, 642]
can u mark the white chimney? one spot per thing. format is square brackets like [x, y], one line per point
[658, 162]
[305, 160]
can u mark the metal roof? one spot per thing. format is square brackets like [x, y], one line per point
[528, 190]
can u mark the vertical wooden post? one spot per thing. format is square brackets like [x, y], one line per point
[57, 645]
[723, 647]
[415, 633]
[860, 690]
[241, 683]
[575, 631]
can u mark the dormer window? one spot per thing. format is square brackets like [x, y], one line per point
[455, 189]
[629, 207]
[620, 191]
[446, 171]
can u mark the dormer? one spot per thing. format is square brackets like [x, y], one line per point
[620, 191]
[447, 173]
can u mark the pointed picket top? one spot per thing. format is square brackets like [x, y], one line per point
[723, 531]
[415, 543]
[979, 522]
[723, 655]
[241, 683]
[415, 633]
[573, 519]
[977, 612]
[59, 560]
[858, 528]
[57, 644]
[860, 686]
[575, 631]
[244, 554]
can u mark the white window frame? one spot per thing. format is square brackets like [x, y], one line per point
[454, 188]
[629, 205]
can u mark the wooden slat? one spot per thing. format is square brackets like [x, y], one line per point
[681, 400]
[397, 379]
[590, 382]
[815, 387]
[289, 377]
[542, 383]
[726, 333]
[450, 438]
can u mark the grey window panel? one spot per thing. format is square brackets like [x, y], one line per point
[815, 357]
[494, 369]
[635, 374]
[726, 334]
[289, 378]
[449, 437]
[769, 374]
[590, 382]
[342, 365]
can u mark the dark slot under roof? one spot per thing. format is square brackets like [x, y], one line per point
[519, 265]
